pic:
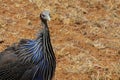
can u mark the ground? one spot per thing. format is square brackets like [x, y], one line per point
[85, 34]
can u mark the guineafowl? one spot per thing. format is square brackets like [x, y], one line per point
[30, 59]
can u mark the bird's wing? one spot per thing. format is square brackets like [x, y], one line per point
[10, 66]
[8, 56]
[10, 53]
[14, 71]
[29, 51]
[30, 73]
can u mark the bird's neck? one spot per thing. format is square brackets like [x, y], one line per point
[44, 24]
[45, 30]
[48, 50]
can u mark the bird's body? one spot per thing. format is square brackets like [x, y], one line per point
[30, 59]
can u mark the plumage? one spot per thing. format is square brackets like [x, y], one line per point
[30, 59]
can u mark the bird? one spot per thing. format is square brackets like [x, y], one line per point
[30, 59]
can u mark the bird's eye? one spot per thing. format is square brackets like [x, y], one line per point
[43, 15]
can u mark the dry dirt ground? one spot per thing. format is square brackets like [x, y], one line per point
[85, 34]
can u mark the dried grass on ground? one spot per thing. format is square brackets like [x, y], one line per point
[85, 34]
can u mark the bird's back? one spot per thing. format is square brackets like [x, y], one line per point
[10, 66]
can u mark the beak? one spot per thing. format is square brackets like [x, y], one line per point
[48, 18]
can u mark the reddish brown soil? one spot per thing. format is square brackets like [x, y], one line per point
[85, 34]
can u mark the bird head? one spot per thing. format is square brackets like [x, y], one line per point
[45, 15]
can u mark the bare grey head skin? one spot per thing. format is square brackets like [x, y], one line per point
[45, 16]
